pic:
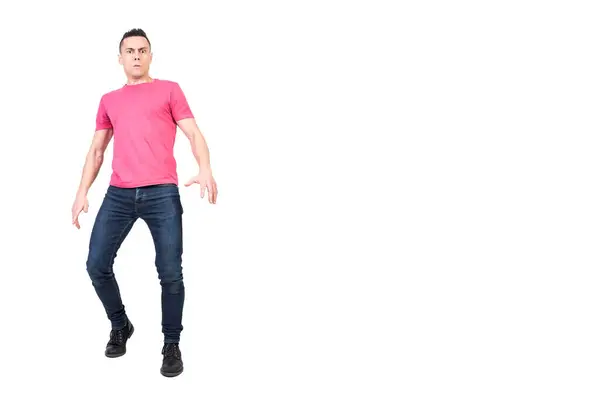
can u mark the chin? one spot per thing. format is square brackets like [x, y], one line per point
[136, 74]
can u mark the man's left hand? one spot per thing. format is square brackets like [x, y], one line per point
[207, 183]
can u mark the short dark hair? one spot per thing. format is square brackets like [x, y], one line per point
[134, 32]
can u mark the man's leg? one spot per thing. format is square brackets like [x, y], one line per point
[160, 207]
[113, 222]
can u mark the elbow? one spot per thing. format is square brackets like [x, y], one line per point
[196, 136]
[96, 156]
[99, 158]
[192, 134]
[192, 131]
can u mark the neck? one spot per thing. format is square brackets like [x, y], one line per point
[137, 81]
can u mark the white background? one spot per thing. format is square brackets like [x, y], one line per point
[408, 201]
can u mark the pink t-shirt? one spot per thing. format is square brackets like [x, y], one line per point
[144, 122]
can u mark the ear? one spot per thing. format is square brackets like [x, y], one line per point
[120, 59]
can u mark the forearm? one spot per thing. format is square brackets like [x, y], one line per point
[93, 162]
[200, 151]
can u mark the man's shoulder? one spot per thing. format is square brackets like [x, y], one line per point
[111, 93]
[165, 81]
[168, 83]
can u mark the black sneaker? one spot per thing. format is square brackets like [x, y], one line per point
[172, 364]
[116, 346]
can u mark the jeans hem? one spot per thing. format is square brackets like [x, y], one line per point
[119, 325]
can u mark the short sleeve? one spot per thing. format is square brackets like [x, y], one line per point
[102, 119]
[180, 108]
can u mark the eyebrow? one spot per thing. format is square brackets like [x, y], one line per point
[141, 48]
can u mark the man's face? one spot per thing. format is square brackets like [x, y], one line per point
[135, 56]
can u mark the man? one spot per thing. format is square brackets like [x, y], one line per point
[142, 116]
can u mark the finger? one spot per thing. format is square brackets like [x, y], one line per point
[77, 223]
[213, 194]
[75, 215]
[85, 208]
[202, 189]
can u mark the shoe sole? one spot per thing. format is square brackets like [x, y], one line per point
[171, 374]
[123, 353]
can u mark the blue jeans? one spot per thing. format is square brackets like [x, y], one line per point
[160, 207]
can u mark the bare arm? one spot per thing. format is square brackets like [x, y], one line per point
[94, 160]
[199, 147]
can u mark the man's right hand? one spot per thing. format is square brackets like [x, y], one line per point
[80, 204]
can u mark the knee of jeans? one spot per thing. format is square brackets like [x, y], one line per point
[172, 281]
[98, 268]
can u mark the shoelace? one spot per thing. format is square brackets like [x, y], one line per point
[172, 351]
[116, 337]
